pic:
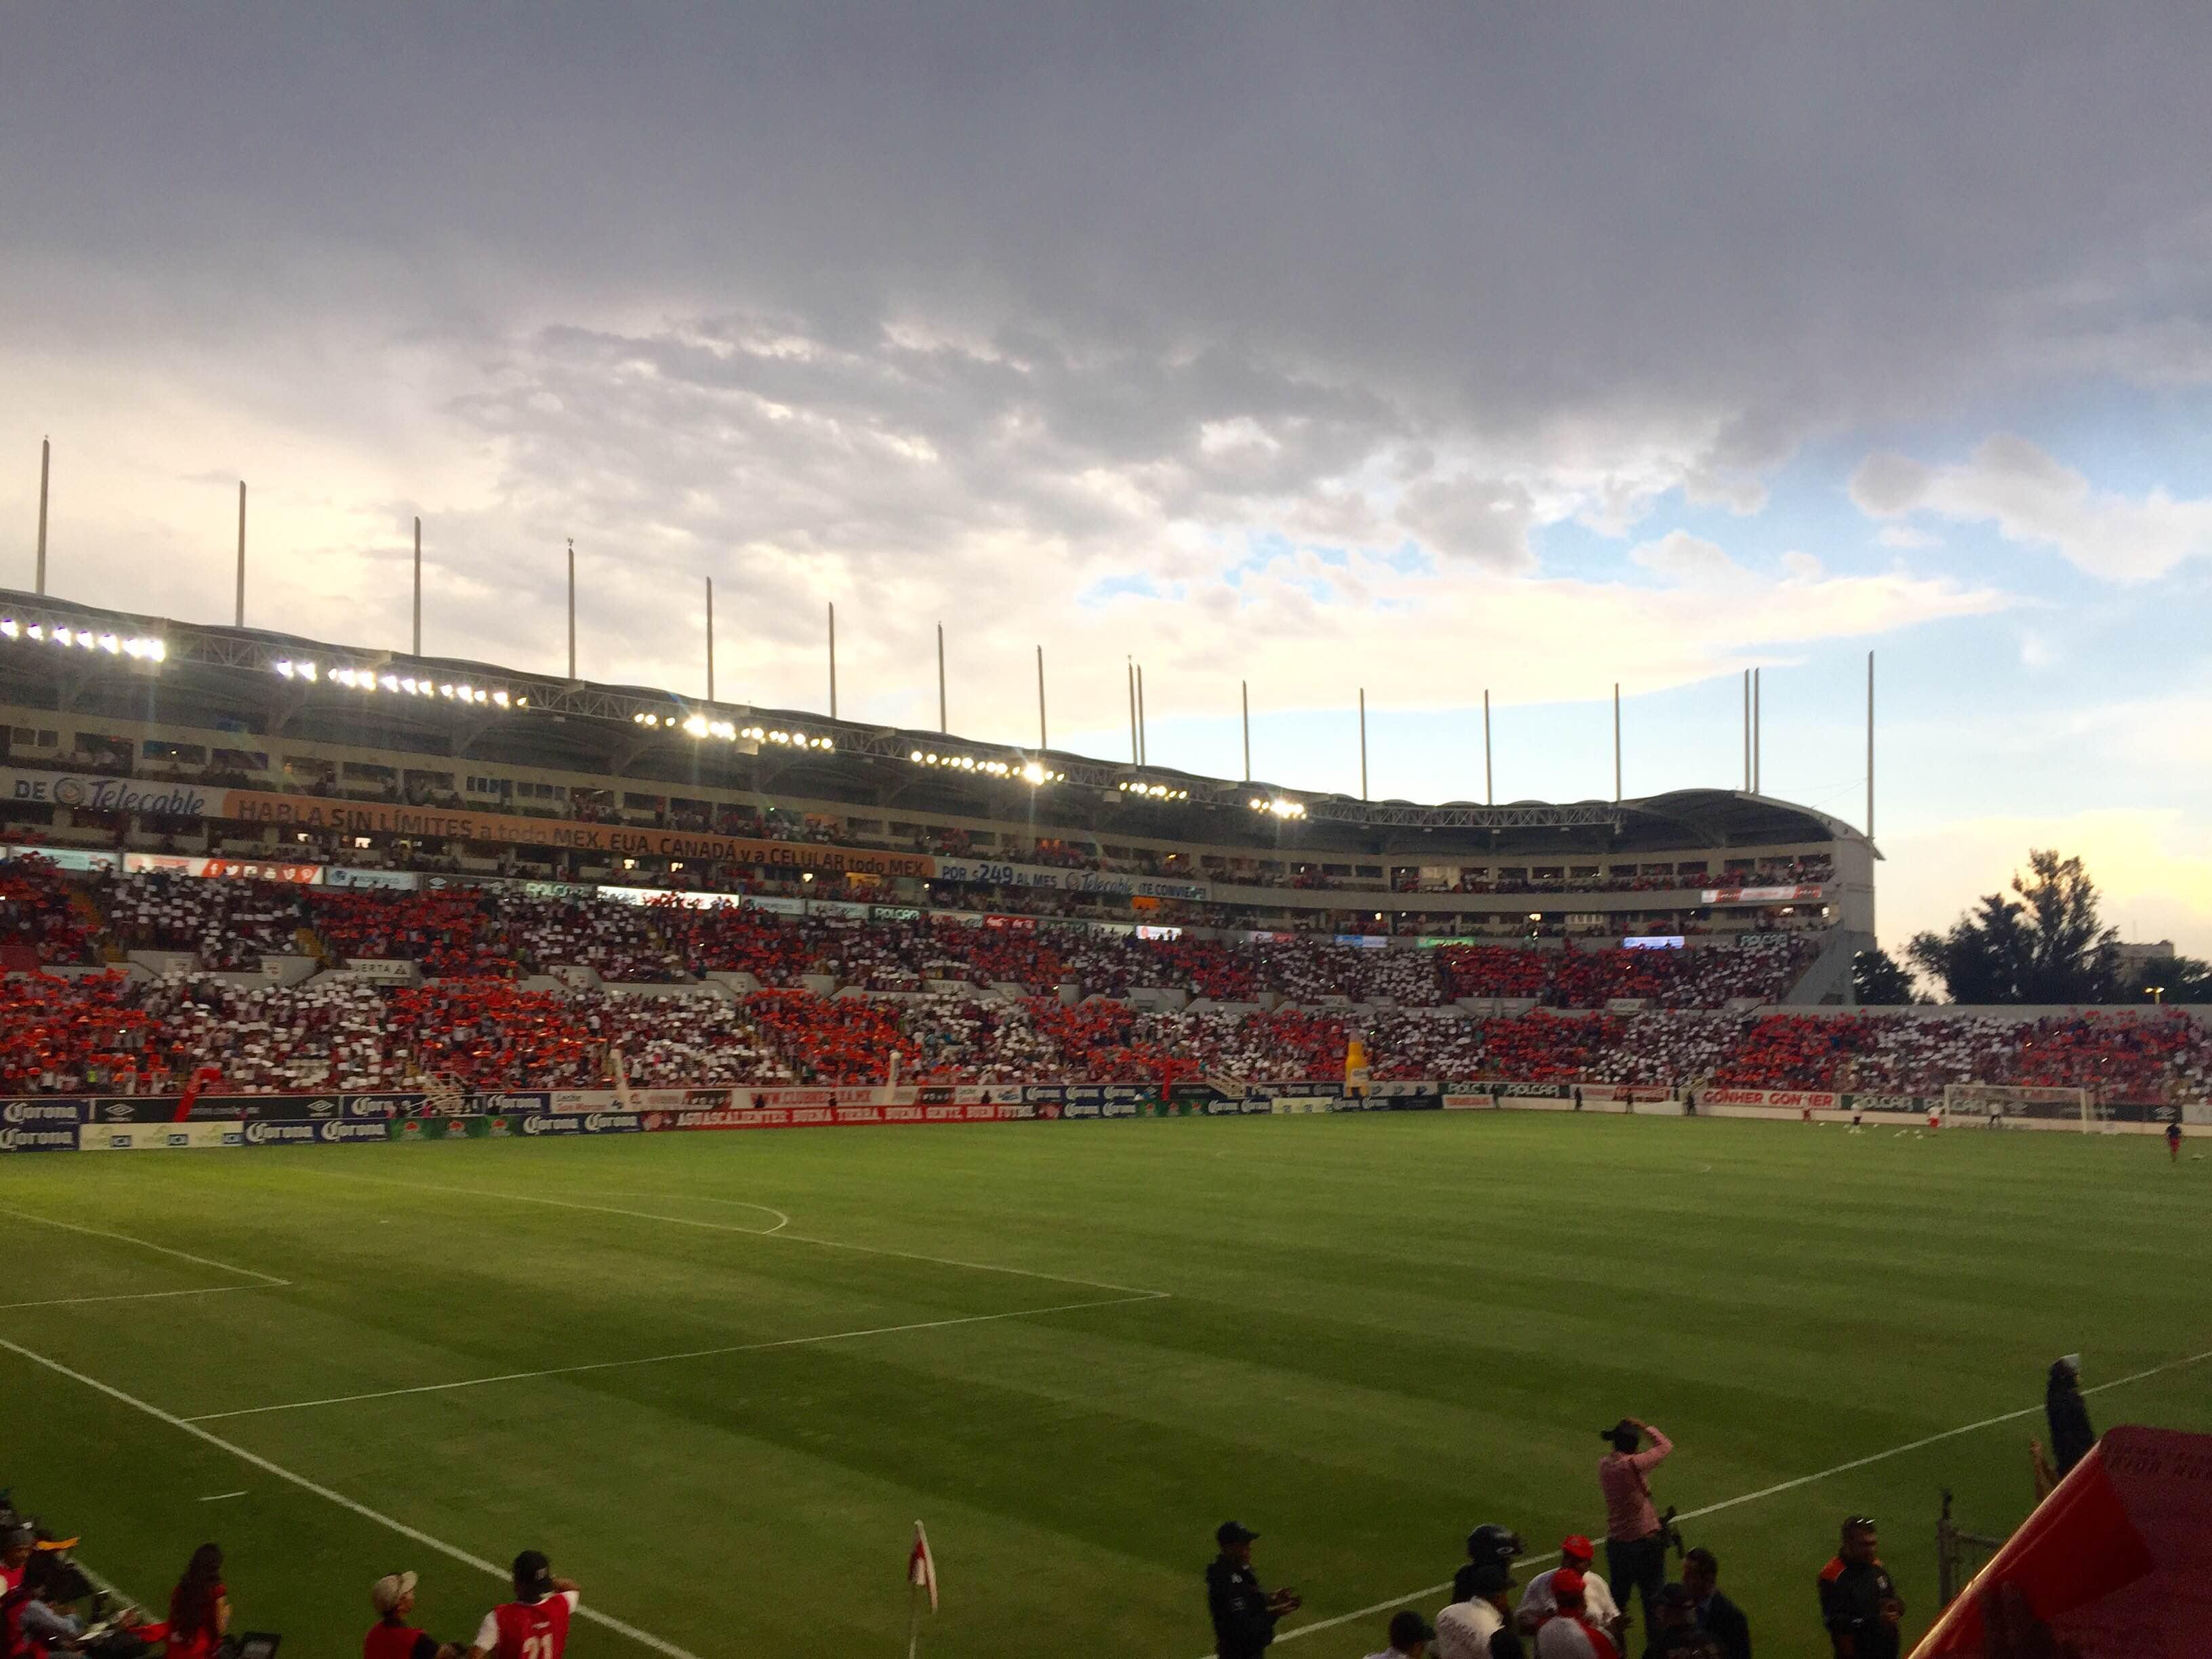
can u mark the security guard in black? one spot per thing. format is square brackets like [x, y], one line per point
[1244, 1614]
[1859, 1602]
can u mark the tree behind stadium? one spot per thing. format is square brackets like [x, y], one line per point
[2043, 943]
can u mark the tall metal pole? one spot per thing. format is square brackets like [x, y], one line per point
[241, 553]
[418, 588]
[833, 659]
[1489, 791]
[1044, 742]
[710, 639]
[45, 463]
[1616, 740]
[1244, 697]
[572, 607]
[1129, 665]
[1758, 735]
[1144, 737]
[1869, 745]
[942, 728]
[1363, 743]
[1747, 731]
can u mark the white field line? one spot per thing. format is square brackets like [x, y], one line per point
[451, 1551]
[1130, 1291]
[1414, 1596]
[145, 1244]
[127, 1296]
[664, 1358]
[781, 1219]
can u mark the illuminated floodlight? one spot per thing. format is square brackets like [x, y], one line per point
[407, 684]
[84, 640]
[8, 627]
[35, 632]
[389, 682]
[499, 697]
[697, 726]
[285, 669]
[110, 644]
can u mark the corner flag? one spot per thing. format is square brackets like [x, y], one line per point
[921, 1566]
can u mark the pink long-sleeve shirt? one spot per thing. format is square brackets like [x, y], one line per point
[1623, 1478]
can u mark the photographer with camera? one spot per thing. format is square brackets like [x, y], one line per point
[35, 1620]
[1636, 1538]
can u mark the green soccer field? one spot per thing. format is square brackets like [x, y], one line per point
[1070, 1349]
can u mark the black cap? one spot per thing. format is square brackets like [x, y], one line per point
[1676, 1596]
[1408, 1628]
[1622, 1429]
[1233, 1532]
[1492, 1543]
[533, 1575]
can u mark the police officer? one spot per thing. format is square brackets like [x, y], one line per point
[1859, 1602]
[1244, 1615]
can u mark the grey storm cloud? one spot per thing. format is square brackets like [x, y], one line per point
[1040, 301]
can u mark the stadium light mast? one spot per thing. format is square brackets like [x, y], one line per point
[1244, 698]
[241, 553]
[1043, 742]
[1616, 740]
[572, 608]
[45, 464]
[833, 659]
[710, 639]
[942, 727]
[1129, 667]
[1363, 743]
[1489, 790]
[1758, 735]
[1747, 731]
[418, 586]
[1144, 737]
[1869, 745]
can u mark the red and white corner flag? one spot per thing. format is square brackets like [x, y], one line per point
[921, 1566]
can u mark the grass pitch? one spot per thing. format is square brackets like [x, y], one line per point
[1372, 1333]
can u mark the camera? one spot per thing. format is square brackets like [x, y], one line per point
[1670, 1535]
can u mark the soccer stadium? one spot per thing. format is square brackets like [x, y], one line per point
[1267, 1020]
[427, 946]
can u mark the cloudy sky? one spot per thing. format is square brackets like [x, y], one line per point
[1425, 350]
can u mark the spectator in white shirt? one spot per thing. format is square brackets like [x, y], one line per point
[1410, 1636]
[1480, 1625]
[1576, 1555]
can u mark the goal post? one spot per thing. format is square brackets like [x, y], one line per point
[1994, 1103]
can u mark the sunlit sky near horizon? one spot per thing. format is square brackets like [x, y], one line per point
[1424, 350]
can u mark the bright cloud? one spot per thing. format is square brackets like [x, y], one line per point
[2035, 500]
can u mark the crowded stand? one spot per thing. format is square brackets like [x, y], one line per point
[223, 925]
[40, 919]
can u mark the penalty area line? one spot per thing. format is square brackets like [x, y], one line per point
[1410, 1596]
[451, 1551]
[147, 1244]
[665, 1358]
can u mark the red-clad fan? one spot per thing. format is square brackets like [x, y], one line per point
[535, 1625]
[199, 1607]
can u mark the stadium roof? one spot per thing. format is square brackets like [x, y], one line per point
[257, 681]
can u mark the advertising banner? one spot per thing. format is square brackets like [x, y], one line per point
[102, 793]
[1758, 894]
[179, 863]
[39, 1136]
[308, 1132]
[83, 860]
[481, 1105]
[158, 1136]
[1791, 1099]
[396, 881]
[42, 1111]
[392, 818]
[383, 970]
[999, 874]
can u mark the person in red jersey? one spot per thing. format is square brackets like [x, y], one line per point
[535, 1625]
[15, 1553]
[199, 1606]
[392, 1637]
[1568, 1633]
